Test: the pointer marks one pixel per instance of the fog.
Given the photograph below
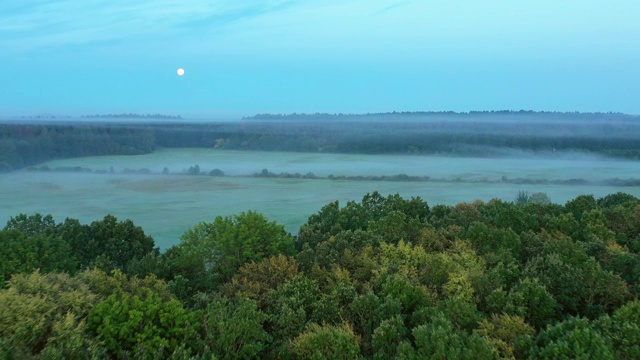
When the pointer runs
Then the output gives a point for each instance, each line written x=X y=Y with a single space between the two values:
x=166 y=205
x=514 y=164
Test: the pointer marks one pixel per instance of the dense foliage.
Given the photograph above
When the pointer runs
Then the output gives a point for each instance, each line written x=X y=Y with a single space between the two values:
x=383 y=278
x=474 y=133
x=23 y=144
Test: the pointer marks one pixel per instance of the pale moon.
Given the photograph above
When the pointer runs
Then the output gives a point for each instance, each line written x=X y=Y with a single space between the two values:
x=180 y=71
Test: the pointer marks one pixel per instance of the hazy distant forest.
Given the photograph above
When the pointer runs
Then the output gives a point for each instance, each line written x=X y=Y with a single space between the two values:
x=386 y=277
x=448 y=133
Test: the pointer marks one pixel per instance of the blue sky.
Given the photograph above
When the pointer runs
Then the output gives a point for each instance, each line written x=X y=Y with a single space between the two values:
x=244 y=57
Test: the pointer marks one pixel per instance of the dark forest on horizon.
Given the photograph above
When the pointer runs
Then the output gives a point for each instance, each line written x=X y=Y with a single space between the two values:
x=484 y=134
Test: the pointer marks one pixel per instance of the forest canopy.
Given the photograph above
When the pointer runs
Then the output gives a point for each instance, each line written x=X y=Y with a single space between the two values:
x=381 y=278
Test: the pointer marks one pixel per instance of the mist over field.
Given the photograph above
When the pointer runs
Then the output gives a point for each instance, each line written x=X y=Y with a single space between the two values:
x=289 y=166
x=166 y=205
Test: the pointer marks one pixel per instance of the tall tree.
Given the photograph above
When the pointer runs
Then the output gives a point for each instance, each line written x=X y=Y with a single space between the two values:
x=220 y=247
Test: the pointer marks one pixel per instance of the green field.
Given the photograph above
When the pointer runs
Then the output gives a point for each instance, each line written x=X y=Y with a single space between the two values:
x=166 y=205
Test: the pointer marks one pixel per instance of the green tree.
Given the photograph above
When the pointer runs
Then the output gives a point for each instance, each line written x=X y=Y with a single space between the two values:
x=440 y=340
x=290 y=307
x=138 y=317
x=354 y=216
x=618 y=199
x=539 y=198
x=112 y=244
x=510 y=335
x=219 y=248
x=522 y=198
x=388 y=336
x=32 y=225
x=326 y=342
x=234 y=329
x=24 y=253
x=77 y=235
x=362 y=314
x=118 y=283
x=38 y=312
x=622 y=330
x=254 y=279
x=581 y=204
x=531 y=300
x=142 y=324
x=573 y=338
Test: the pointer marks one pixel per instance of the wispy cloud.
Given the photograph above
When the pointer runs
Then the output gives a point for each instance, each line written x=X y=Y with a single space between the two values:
x=395 y=5
x=51 y=23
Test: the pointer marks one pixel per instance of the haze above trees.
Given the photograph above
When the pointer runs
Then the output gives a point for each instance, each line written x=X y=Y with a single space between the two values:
x=447 y=133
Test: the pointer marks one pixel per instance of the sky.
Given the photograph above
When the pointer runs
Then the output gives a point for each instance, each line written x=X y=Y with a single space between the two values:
x=78 y=57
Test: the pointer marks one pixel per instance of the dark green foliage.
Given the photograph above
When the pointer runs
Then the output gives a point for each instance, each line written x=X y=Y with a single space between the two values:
x=522 y=198
x=138 y=316
x=325 y=342
x=36 y=242
x=618 y=199
x=234 y=329
x=290 y=307
x=23 y=253
x=32 y=225
x=382 y=278
x=209 y=254
x=388 y=336
x=375 y=211
x=441 y=340
x=622 y=330
x=531 y=300
x=581 y=204
x=28 y=144
x=144 y=325
x=116 y=243
x=573 y=338
x=363 y=314
x=486 y=239
x=333 y=303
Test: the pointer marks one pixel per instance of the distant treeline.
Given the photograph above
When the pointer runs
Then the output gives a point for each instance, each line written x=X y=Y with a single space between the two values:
x=28 y=144
x=476 y=133
x=133 y=116
x=581 y=116
x=462 y=134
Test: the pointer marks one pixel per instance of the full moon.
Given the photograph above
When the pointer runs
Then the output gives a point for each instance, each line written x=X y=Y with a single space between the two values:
x=180 y=71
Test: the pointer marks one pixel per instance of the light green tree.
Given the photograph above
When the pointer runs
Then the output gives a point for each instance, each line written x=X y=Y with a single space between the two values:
x=220 y=247
x=326 y=342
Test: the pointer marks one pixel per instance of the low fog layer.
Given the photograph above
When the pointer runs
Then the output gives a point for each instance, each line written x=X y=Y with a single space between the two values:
x=151 y=198
x=189 y=172
x=487 y=134
x=559 y=166
x=168 y=205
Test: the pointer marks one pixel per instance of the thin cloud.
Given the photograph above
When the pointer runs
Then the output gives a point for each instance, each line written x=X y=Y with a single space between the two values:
x=54 y=23
x=395 y=6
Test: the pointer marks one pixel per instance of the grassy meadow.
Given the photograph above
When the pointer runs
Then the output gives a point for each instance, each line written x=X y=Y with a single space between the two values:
x=166 y=205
